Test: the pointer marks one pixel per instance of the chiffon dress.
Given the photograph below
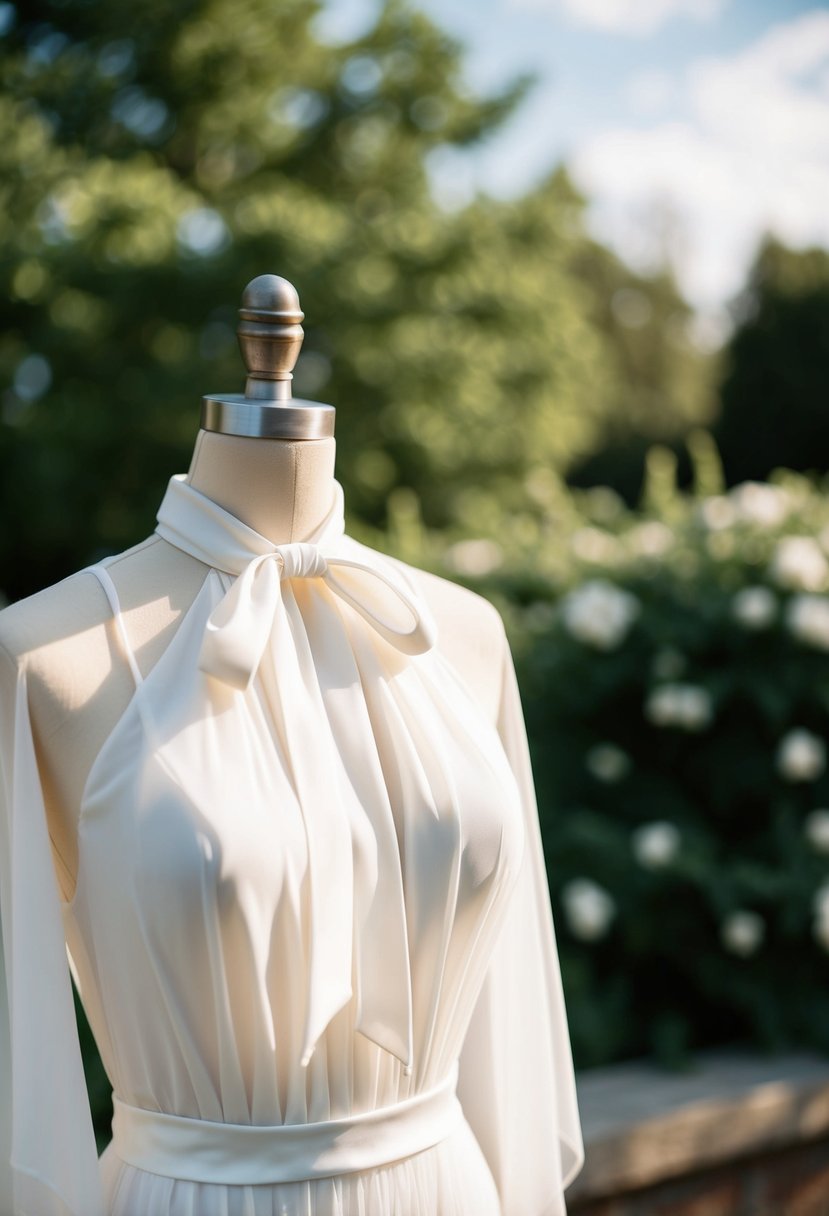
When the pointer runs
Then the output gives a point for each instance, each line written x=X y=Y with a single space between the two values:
x=311 y=931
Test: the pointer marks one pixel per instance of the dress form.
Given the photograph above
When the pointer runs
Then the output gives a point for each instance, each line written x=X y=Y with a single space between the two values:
x=79 y=678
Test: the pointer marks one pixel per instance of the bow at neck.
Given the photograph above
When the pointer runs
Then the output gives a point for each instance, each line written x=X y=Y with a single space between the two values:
x=239 y=628
x=249 y=621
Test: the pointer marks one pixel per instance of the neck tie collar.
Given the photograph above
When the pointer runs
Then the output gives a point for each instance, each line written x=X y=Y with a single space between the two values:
x=238 y=630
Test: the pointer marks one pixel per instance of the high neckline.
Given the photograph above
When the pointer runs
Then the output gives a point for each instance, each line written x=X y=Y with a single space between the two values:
x=196 y=524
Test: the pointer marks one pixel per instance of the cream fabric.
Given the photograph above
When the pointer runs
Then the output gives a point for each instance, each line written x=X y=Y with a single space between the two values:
x=293 y=1152
x=311 y=884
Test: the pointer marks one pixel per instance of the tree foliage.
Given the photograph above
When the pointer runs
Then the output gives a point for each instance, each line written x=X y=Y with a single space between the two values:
x=776 y=376
x=156 y=159
x=661 y=386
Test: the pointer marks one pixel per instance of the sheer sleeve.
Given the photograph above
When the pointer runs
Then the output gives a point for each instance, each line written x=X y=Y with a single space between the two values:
x=516 y=1081
x=49 y=1160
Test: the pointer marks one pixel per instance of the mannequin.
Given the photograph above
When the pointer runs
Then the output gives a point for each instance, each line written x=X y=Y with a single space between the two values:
x=304 y=899
x=79 y=678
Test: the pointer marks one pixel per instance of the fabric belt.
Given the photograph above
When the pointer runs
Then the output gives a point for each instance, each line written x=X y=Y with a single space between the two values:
x=202 y=1150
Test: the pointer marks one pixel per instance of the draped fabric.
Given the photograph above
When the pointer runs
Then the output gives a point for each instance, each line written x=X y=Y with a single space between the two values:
x=311 y=883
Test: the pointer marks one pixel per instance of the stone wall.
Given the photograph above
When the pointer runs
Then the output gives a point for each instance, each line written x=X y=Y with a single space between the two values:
x=737 y=1135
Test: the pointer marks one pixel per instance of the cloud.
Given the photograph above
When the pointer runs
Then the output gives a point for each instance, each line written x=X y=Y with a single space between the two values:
x=751 y=153
x=763 y=98
x=635 y=18
x=650 y=91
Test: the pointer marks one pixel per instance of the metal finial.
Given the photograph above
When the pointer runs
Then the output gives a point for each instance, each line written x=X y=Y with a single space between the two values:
x=270 y=337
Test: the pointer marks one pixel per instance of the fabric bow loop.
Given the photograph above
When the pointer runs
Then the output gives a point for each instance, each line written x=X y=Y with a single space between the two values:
x=238 y=629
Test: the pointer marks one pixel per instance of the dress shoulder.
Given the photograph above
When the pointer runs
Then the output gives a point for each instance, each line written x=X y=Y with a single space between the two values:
x=485 y=617
x=471 y=632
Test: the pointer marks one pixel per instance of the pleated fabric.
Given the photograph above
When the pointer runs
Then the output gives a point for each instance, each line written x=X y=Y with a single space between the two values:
x=311 y=879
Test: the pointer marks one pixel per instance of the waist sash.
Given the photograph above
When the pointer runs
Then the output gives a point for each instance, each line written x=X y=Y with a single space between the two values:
x=202 y=1150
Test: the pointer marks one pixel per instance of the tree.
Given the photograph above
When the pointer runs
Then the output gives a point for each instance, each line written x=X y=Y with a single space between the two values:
x=154 y=163
x=775 y=378
x=661 y=386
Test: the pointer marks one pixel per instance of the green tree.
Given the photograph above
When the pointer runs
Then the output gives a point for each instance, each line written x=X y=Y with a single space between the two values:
x=154 y=162
x=661 y=386
x=777 y=367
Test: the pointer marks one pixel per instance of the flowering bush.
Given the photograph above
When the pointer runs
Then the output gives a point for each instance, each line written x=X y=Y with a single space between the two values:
x=674 y=665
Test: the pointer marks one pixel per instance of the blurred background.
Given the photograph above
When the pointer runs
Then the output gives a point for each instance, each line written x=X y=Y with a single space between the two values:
x=565 y=271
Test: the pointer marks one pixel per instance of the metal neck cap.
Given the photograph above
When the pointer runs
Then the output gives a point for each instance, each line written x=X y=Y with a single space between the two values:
x=270 y=337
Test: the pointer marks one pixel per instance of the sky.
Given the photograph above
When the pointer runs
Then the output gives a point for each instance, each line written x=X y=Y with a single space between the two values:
x=692 y=126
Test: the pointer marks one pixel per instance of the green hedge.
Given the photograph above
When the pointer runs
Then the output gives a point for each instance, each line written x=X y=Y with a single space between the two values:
x=674 y=667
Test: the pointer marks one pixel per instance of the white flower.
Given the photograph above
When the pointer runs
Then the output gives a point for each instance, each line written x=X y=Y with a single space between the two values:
x=685 y=705
x=655 y=844
x=668 y=663
x=801 y=756
x=474 y=557
x=816 y=827
x=820 y=930
x=761 y=504
x=754 y=607
x=807 y=617
x=799 y=564
x=599 y=613
x=717 y=512
x=651 y=539
x=607 y=762
x=594 y=545
x=588 y=907
x=742 y=932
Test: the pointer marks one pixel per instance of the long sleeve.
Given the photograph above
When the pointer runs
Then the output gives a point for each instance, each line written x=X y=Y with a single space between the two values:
x=516 y=1081
x=48 y=1156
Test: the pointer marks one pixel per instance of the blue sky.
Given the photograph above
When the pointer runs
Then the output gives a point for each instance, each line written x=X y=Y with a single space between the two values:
x=691 y=125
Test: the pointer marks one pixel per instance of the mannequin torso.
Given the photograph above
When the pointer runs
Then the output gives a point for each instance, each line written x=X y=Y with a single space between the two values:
x=79 y=678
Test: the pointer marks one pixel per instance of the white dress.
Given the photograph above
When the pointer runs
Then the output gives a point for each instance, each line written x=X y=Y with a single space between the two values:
x=311 y=886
